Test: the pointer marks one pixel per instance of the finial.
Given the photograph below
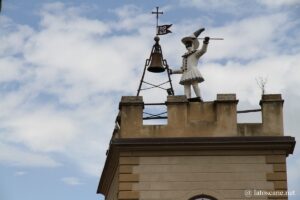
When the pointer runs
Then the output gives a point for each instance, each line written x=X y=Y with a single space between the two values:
x=157 y=15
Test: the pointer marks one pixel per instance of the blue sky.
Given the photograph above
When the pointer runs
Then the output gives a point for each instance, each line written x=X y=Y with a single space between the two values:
x=64 y=66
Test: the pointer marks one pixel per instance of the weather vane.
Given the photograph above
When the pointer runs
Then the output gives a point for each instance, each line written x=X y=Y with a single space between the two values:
x=163 y=29
x=157 y=15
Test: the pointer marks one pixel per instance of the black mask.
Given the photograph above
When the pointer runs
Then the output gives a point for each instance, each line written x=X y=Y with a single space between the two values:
x=188 y=44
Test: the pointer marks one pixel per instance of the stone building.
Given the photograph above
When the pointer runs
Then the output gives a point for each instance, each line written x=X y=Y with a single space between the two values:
x=201 y=153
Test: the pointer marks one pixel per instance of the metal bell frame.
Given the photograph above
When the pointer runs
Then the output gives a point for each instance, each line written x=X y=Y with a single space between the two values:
x=156 y=64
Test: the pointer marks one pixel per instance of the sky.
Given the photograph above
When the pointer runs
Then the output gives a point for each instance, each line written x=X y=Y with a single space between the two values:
x=64 y=66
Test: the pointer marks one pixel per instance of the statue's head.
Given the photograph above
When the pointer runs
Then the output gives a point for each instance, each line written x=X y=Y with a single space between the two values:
x=190 y=42
x=192 y=39
x=189 y=45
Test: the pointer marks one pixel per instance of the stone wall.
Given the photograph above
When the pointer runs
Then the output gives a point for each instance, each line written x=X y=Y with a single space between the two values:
x=181 y=177
x=201 y=119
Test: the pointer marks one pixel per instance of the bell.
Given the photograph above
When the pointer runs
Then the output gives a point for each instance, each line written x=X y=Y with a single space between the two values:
x=156 y=65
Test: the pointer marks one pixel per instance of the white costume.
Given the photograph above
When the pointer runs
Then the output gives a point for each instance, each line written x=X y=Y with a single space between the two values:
x=190 y=73
x=189 y=70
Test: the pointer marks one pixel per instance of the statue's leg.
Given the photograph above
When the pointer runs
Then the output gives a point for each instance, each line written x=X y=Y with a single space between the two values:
x=187 y=90
x=196 y=89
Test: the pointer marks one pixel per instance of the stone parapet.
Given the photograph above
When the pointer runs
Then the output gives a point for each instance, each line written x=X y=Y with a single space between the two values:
x=200 y=119
x=226 y=97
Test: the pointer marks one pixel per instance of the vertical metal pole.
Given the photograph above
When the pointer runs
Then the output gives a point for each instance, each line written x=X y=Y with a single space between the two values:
x=170 y=80
x=142 y=79
x=157 y=13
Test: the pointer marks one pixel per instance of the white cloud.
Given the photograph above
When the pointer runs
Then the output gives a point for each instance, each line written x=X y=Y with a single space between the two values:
x=240 y=78
x=10 y=69
x=12 y=38
x=210 y=3
x=275 y=3
x=20 y=173
x=81 y=60
x=238 y=7
x=72 y=181
x=233 y=7
x=128 y=21
x=243 y=41
x=15 y=156
x=43 y=130
x=127 y=11
x=57 y=17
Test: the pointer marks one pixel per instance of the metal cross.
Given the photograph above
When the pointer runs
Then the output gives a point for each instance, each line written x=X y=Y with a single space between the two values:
x=157 y=15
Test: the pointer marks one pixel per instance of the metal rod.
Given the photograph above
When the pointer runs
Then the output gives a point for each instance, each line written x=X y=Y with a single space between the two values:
x=211 y=38
x=154 y=114
x=170 y=80
x=141 y=81
x=155 y=85
x=154 y=104
x=248 y=111
x=163 y=83
x=149 y=118
x=147 y=88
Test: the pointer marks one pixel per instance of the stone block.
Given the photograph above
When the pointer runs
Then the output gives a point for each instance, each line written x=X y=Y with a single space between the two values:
x=126 y=169
x=226 y=115
x=131 y=115
x=226 y=97
x=128 y=177
x=177 y=111
x=280 y=185
x=129 y=160
x=272 y=114
x=125 y=186
x=128 y=195
x=279 y=167
x=176 y=99
x=132 y=101
x=277 y=176
x=271 y=97
x=201 y=112
x=270 y=159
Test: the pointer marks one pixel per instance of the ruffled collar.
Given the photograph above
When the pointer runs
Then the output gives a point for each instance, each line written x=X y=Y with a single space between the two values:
x=187 y=54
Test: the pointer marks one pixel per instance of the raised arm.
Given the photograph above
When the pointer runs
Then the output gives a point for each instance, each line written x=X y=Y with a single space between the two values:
x=203 y=50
